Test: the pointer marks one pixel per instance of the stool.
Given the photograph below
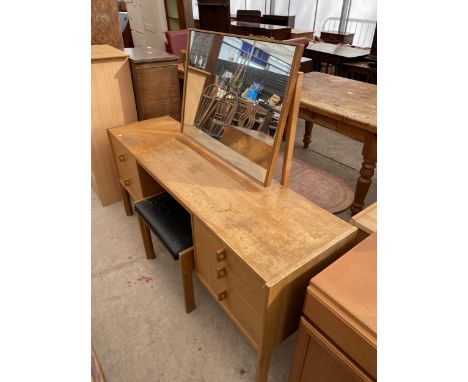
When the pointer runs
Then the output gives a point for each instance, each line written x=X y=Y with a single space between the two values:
x=170 y=222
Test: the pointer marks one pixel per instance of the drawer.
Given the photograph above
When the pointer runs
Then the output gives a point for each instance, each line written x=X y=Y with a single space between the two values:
x=318 y=359
x=127 y=169
x=237 y=287
x=341 y=332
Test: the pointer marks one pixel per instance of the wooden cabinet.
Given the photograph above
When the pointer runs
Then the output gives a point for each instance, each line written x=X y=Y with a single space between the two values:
x=279 y=20
x=337 y=37
x=337 y=338
x=214 y=15
x=155 y=83
x=112 y=104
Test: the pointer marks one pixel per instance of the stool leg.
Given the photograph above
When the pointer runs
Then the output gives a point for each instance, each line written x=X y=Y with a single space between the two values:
x=147 y=242
x=187 y=265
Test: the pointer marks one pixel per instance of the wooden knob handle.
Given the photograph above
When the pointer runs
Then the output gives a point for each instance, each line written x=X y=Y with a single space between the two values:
x=222 y=296
x=221 y=272
x=122 y=158
x=220 y=254
x=127 y=182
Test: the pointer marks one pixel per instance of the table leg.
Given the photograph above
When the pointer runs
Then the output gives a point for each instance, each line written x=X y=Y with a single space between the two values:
x=263 y=362
x=126 y=201
x=307 y=134
x=369 y=153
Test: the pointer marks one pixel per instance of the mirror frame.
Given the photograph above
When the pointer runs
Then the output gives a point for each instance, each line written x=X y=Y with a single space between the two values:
x=290 y=88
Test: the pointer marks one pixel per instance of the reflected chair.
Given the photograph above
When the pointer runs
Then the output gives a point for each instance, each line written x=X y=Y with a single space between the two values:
x=171 y=223
x=176 y=41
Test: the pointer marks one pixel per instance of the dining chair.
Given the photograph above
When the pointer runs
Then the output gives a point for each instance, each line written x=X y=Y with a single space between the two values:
x=177 y=41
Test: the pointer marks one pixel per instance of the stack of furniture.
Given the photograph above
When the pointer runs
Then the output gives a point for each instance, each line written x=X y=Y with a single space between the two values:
x=155 y=83
x=112 y=104
x=337 y=339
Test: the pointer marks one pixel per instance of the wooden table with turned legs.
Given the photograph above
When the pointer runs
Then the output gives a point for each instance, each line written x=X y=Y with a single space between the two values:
x=348 y=107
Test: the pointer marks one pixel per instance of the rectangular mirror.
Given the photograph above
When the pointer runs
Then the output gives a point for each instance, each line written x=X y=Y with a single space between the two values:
x=236 y=92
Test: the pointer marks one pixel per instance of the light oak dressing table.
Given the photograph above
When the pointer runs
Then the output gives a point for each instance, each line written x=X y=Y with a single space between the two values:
x=255 y=247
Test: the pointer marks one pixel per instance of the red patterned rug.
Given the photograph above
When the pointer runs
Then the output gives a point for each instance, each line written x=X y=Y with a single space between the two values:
x=324 y=189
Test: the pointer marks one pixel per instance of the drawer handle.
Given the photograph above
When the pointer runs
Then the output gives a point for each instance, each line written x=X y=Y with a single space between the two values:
x=222 y=296
x=220 y=254
x=127 y=182
x=221 y=272
x=122 y=158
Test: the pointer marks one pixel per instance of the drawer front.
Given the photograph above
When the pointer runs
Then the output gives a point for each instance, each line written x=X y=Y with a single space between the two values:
x=127 y=169
x=358 y=348
x=237 y=287
x=317 y=359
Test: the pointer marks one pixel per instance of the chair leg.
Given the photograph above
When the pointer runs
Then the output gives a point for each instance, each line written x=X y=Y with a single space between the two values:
x=147 y=242
x=187 y=265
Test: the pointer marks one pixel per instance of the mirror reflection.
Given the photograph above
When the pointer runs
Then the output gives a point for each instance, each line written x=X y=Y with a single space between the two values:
x=235 y=90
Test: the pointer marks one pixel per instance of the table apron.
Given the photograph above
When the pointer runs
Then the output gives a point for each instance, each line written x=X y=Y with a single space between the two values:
x=335 y=125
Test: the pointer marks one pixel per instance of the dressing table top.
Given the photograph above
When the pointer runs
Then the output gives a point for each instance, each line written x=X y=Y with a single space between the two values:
x=273 y=229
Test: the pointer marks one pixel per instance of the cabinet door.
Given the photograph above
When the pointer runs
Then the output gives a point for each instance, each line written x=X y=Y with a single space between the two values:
x=317 y=359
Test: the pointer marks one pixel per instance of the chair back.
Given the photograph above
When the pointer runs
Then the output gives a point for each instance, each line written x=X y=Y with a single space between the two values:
x=177 y=41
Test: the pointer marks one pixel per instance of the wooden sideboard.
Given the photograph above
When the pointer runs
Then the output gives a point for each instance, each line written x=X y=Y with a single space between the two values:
x=337 y=339
x=155 y=83
x=256 y=248
x=112 y=104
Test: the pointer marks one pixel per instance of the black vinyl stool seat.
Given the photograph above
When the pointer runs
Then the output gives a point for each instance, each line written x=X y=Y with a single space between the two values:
x=171 y=223
x=168 y=220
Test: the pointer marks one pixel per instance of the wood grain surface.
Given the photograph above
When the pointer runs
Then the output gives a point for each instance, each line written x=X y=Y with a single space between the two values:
x=251 y=219
x=105 y=27
x=337 y=50
x=366 y=220
x=351 y=102
x=342 y=302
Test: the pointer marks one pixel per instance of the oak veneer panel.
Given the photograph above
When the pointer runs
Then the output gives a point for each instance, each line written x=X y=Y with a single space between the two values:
x=355 y=102
x=342 y=302
x=112 y=104
x=366 y=220
x=318 y=360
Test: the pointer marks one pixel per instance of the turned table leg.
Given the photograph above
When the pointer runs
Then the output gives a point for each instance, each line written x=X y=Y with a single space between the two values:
x=307 y=134
x=263 y=362
x=369 y=153
x=126 y=201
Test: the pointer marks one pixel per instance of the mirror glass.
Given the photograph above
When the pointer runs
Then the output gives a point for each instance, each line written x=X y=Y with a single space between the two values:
x=235 y=92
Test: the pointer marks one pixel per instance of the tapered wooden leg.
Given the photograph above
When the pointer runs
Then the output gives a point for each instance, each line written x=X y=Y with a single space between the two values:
x=187 y=265
x=126 y=201
x=369 y=153
x=307 y=134
x=147 y=242
x=263 y=362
